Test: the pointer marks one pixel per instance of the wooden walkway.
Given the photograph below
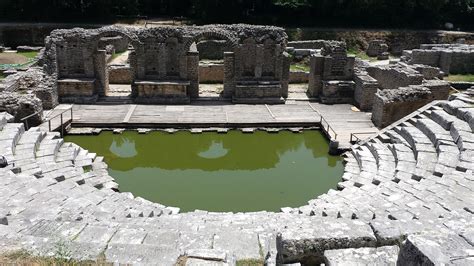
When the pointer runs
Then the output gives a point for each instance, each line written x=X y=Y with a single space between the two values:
x=341 y=118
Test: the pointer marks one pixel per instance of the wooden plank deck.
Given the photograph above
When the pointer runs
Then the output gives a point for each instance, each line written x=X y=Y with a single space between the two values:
x=340 y=117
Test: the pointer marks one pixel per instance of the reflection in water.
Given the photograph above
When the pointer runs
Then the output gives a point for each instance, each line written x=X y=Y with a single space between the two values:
x=219 y=172
x=216 y=150
x=123 y=148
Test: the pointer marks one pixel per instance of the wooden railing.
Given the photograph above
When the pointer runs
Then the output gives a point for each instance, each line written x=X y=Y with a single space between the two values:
x=24 y=120
x=63 y=124
x=355 y=136
x=326 y=128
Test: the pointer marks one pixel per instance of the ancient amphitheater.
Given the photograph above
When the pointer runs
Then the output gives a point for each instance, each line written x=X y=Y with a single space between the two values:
x=406 y=198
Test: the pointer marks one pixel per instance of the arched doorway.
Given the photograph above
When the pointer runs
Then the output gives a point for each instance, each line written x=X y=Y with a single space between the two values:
x=115 y=66
x=211 y=49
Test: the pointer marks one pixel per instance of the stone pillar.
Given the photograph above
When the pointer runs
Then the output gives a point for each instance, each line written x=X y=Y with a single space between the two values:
x=193 y=74
x=259 y=61
x=315 y=75
x=101 y=75
x=285 y=74
x=229 y=74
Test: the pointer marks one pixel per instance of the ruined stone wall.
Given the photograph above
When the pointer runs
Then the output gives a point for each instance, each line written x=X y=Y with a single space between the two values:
x=33 y=81
x=163 y=54
x=451 y=58
x=120 y=74
x=395 y=76
x=331 y=74
x=22 y=105
x=364 y=91
x=392 y=105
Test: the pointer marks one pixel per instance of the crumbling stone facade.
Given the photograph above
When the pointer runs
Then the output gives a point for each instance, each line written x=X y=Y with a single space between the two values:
x=165 y=67
x=332 y=71
x=394 y=76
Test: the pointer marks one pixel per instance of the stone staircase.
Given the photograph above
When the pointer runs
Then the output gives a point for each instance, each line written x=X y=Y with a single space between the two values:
x=406 y=196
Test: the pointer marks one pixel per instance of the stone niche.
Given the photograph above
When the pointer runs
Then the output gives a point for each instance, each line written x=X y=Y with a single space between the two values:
x=260 y=70
x=331 y=74
x=392 y=105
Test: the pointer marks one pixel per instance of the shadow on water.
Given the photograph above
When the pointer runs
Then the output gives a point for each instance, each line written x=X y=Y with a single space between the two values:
x=219 y=172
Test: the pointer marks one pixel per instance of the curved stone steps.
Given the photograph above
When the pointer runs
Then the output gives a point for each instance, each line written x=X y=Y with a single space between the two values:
x=25 y=151
x=9 y=137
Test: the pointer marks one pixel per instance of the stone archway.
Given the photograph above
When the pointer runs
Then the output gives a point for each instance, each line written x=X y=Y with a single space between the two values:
x=209 y=74
x=101 y=68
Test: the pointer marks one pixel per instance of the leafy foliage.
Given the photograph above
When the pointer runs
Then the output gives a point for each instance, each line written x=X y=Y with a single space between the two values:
x=347 y=13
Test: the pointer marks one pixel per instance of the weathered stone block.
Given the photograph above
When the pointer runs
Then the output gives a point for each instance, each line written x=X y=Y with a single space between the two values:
x=392 y=105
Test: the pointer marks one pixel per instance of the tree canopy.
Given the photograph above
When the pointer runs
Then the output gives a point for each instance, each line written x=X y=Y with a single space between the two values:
x=334 y=13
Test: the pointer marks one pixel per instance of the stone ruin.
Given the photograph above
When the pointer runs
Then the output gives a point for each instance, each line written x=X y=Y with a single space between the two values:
x=164 y=63
x=27 y=93
x=379 y=49
x=332 y=72
x=338 y=78
x=450 y=58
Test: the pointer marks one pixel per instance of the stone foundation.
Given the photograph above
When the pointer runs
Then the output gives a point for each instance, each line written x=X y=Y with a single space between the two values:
x=257 y=92
x=161 y=92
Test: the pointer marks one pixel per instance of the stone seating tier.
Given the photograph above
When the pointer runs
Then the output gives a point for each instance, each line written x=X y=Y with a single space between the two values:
x=405 y=197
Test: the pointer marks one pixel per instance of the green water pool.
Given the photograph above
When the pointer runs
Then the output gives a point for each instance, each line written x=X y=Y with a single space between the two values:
x=219 y=172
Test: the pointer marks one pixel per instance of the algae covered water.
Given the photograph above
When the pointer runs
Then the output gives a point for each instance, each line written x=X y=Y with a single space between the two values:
x=219 y=172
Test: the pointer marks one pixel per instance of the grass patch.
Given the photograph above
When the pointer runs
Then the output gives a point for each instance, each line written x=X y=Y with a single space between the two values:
x=250 y=262
x=115 y=55
x=466 y=77
x=361 y=54
x=23 y=257
x=2 y=76
x=299 y=67
x=29 y=55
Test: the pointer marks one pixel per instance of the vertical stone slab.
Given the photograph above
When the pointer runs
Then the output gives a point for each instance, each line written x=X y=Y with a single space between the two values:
x=315 y=75
x=101 y=75
x=193 y=74
x=229 y=74
x=285 y=74
x=445 y=61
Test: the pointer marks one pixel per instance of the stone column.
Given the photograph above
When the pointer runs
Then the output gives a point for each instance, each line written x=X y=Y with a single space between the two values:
x=101 y=75
x=285 y=74
x=259 y=61
x=193 y=74
x=315 y=75
x=229 y=74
